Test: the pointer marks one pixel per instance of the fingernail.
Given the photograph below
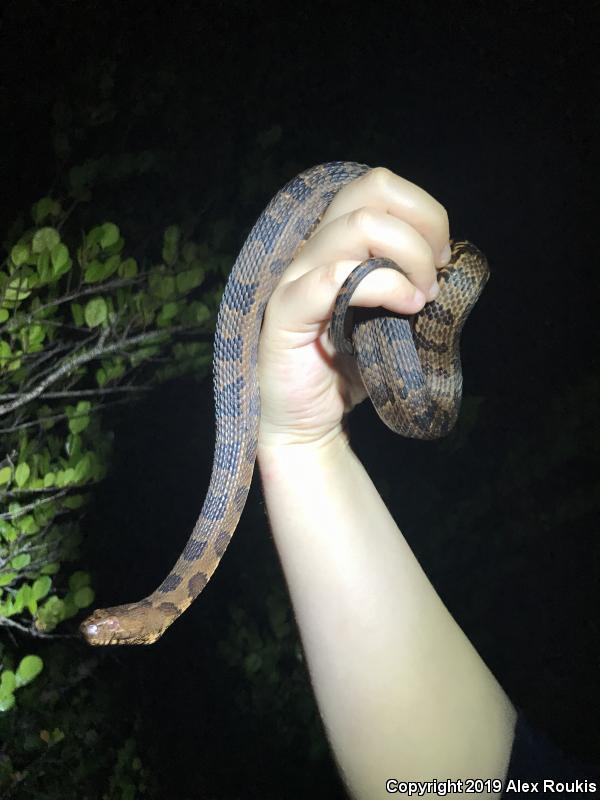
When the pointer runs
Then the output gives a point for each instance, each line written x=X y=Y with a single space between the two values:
x=434 y=291
x=445 y=255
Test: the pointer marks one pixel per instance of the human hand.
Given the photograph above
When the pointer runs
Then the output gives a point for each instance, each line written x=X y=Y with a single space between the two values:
x=305 y=386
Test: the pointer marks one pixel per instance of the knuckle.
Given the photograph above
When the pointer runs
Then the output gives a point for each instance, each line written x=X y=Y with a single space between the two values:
x=380 y=177
x=361 y=219
x=334 y=274
x=443 y=216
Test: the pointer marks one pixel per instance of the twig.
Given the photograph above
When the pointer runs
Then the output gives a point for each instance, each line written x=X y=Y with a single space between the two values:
x=93 y=289
x=35 y=504
x=58 y=417
x=97 y=351
x=33 y=631
x=83 y=393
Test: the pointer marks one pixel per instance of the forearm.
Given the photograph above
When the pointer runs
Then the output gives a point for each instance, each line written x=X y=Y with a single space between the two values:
x=401 y=690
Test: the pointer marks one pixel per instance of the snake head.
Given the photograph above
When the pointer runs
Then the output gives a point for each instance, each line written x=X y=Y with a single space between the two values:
x=134 y=623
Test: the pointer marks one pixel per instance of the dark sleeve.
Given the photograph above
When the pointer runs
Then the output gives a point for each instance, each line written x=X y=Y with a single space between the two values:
x=534 y=758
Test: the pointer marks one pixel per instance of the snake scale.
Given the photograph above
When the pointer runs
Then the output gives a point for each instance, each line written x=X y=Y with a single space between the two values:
x=410 y=367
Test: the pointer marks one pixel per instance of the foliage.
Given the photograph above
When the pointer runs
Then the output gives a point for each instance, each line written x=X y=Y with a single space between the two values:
x=96 y=325
x=82 y=328
x=62 y=727
x=275 y=685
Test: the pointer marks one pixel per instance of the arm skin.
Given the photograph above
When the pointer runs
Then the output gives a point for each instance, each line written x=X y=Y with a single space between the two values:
x=402 y=692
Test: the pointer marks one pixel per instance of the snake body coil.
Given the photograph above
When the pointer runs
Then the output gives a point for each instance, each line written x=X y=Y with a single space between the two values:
x=411 y=369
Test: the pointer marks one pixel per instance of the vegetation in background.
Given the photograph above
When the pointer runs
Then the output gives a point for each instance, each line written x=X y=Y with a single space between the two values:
x=83 y=328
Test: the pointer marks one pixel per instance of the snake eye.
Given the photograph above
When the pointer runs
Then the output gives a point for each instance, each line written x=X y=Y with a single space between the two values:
x=91 y=630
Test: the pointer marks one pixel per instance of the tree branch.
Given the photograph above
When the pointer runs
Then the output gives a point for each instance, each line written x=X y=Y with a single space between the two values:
x=97 y=351
x=10 y=324
x=83 y=393
x=31 y=630
x=31 y=506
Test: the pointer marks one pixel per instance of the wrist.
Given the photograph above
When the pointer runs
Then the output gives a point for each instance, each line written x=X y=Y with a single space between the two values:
x=287 y=451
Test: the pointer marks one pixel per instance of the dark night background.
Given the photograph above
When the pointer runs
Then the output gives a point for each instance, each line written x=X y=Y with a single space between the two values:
x=493 y=109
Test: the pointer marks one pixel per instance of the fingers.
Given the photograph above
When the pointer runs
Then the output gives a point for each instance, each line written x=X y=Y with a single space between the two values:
x=304 y=304
x=367 y=232
x=378 y=215
x=382 y=189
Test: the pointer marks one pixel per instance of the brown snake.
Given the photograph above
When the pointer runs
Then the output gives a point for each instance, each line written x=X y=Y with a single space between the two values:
x=410 y=367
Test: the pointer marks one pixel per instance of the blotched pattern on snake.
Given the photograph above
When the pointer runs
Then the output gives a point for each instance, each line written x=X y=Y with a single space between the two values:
x=410 y=367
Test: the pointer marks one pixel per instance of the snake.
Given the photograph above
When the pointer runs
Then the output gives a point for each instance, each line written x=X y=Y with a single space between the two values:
x=410 y=367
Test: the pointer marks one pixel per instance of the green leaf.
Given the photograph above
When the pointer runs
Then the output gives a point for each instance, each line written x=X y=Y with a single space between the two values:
x=171 y=244
x=114 y=369
x=93 y=237
x=143 y=353
x=172 y=235
x=7 y=608
x=162 y=286
x=5 y=353
x=35 y=335
x=189 y=279
x=83 y=468
x=27 y=525
x=49 y=480
x=77 y=312
x=78 y=424
x=110 y=235
x=73 y=443
x=29 y=668
x=65 y=476
x=74 y=501
x=128 y=268
x=50 y=614
x=94 y=272
x=96 y=312
x=45 y=239
x=7 y=577
x=83 y=597
x=111 y=265
x=202 y=313
x=41 y=587
x=60 y=256
x=22 y=473
x=8 y=681
x=16 y=291
x=50 y=569
x=7 y=531
x=4 y=315
x=42 y=209
x=22 y=597
x=7 y=701
x=167 y=312
x=21 y=561
x=5 y=475
x=19 y=254
x=189 y=252
x=78 y=580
